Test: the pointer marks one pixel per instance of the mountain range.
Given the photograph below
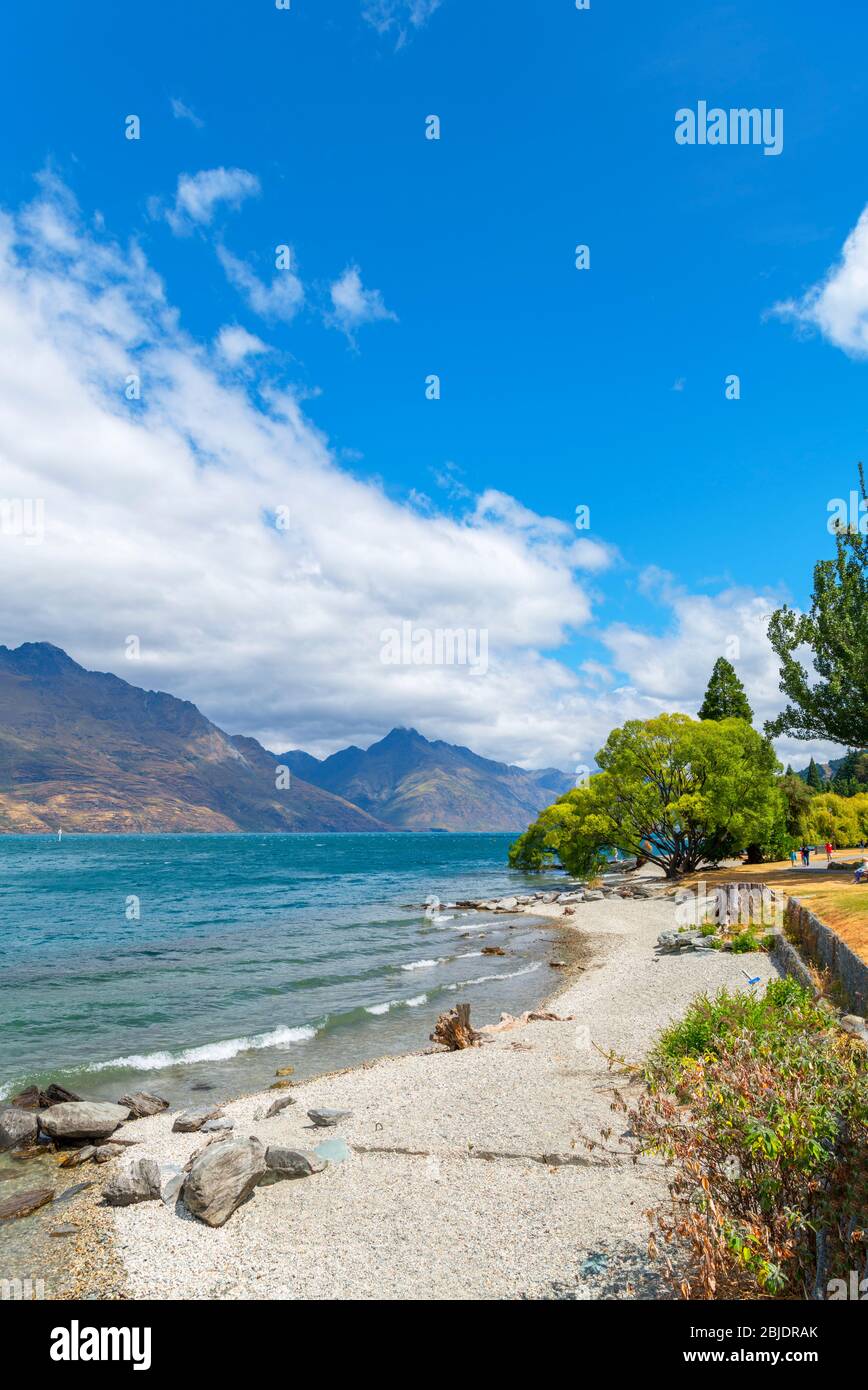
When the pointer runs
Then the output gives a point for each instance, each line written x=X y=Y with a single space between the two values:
x=86 y=751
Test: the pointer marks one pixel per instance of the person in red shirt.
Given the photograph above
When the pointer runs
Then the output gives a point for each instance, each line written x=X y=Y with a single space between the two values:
x=828 y=852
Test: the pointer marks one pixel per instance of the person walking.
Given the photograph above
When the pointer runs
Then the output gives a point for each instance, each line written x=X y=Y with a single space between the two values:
x=792 y=858
x=828 y=854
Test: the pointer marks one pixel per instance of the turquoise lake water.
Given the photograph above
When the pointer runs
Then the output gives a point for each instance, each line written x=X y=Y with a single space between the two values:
x=250 y=952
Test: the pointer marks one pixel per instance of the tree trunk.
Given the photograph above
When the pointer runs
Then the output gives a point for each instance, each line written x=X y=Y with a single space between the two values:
x=453 y=1029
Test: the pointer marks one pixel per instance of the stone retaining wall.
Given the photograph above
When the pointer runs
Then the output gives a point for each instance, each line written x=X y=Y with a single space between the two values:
x=826 y=949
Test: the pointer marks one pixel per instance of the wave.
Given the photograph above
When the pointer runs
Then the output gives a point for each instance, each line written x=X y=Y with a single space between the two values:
x=208 y=1052
x=397 y=1004
x=504 y=975
x=424 y=964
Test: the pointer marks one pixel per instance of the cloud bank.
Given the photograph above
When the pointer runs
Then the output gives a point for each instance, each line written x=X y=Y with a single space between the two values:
x=207 y=516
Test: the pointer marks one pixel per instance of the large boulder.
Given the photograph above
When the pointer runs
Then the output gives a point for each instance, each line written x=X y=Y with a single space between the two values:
x=222 y=1177
x=142 y=1103
x=18 y=1128
x=82 y=1119
x=141 y=1182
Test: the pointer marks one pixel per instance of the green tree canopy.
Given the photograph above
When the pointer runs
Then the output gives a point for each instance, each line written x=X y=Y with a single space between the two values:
x=814 y=778
x=679 y=791
x=725 y=697
x=832 y=701
x=851 y=774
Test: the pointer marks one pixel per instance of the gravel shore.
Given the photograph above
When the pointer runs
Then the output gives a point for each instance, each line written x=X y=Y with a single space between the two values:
x=467 y=1175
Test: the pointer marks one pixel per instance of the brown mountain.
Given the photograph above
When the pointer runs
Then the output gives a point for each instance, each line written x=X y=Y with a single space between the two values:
x=83 y=750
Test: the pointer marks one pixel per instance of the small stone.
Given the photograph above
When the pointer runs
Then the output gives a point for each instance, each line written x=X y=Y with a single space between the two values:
x=73 y=1191
x=284 y=1071
x=217 y=1126
x=138 y=1183
x=64 y=1230
x=25 y=1203
x=290 y=1163
x=142 y=1103
x=279 y=1085
x=172 y=1178
x=558 y=964
x=106 y=1152
x=326 y=1118
x=280 y=1104
x=593 y=895
x=77 y=1156
x=190 y=1120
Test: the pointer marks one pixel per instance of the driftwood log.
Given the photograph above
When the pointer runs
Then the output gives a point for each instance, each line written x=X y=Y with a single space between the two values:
x=453 y=1029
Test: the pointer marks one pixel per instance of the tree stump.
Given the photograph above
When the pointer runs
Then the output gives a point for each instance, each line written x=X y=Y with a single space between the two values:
x=453 y=1029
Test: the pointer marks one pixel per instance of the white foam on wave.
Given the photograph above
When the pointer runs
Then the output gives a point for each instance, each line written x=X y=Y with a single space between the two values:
x=424 y=964
x=396 y=1004
x=506 y=975
x=208 y=1052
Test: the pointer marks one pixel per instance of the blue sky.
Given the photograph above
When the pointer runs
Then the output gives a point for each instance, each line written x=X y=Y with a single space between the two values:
x=559 y=387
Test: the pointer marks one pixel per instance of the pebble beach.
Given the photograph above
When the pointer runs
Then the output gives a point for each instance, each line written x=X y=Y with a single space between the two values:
x=465 y=1173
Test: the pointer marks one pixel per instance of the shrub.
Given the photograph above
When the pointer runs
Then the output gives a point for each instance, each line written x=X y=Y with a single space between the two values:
x=761 y=1106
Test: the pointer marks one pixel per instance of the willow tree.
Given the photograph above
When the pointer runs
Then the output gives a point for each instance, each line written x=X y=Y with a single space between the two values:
x=679 y=791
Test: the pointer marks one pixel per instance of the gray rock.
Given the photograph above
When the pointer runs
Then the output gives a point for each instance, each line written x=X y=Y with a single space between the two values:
x=218 y=1126
x=142 y=1103
x=190 y=1120
x=17 y=1127
x=138 y=1183
x=82 y=1119
x=593 y=895
x=25 y=1203
x=644 y=890
x=222 y=1178
x=79 y=1156
x=277 y=1105
x=326 y=1118
x=290 y=1163
x=172 y=1177
x=508 y=904
x=73 y=1191
x=107 y=1151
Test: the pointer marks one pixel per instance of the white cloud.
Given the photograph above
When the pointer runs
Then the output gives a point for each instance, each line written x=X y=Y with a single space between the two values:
x=181 y=112
x=159 y=523
x=281 y=299
x=235 y=343
x=394 y=16
x=838 y=304
x=198 y=196
x=353 y=305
